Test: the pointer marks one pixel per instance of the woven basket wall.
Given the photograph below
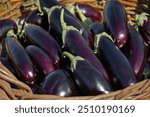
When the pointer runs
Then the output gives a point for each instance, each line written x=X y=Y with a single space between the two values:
x=11 y=9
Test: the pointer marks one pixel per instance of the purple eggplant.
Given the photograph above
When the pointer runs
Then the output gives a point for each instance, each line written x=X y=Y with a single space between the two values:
x=41 y=60
x=115 y=20
x=5 y=26
x=20 y=59
x=88 y=79
x=146 y=72
x=38 y=36
x=137 y=51
x=97 y=28
x=36 y=18
x=121 y=73
x=74 y=43
x=90 y=12
x=59 y=83
x=56 y=26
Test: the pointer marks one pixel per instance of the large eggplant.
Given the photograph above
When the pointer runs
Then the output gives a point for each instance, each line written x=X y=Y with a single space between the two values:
x=41 y=60
x=5 y=26
x=97 y=28
x=90 y=12
x=20 y=59
x=115 y=21
x=137 y=51
x=88 y=79
x=36 y=18
x=121 y=73
x=59 y=83
x=74 y=43
x=56 y=26
x=38 y=36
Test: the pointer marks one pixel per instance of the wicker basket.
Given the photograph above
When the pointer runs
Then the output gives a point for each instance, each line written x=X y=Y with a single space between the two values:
x=140 y=90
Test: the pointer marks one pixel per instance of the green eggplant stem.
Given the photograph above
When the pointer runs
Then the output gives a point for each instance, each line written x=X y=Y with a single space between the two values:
x=63 y=24
x=11 y=33
x=69 y=55
x=39 y=6
x=140 y=18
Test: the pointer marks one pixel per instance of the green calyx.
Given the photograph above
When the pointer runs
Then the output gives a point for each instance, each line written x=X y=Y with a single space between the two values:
x=140 y=18
x=11 y=33
x=65 y=27
x=87 y=22
x=98 y=37
x=73 y=60
x=71 y=7
x=39 y=7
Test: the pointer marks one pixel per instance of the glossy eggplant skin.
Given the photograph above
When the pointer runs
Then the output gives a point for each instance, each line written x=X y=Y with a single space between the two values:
x=88 y=79
x=35 y=18
x=40 y=59
x=5 y=26
x=56 y=27
x=59 y=83
x=74 y=43
x=121 y=73
x=115 y=21
x=97 y=28
x=38 y=36
x=137 y=51
x=90 y=12
x=20 y=60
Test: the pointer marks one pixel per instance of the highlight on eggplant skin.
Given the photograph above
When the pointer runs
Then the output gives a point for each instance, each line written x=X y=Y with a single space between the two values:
x=5 y=26
x=40 y=37
x=115 y=21
x=137 y=51
x=121 y=73
x=88 y=79
x=74 y=43
x=90 y=12
x=40 y=59
x=59 y=83
x=20 y=60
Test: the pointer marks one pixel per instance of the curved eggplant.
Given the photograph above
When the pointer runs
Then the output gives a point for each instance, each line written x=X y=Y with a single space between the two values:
x=118 y=66
x=74 y=43
x=35 y=18
x=115 y=21
x=59 y=83
x=40 y=59
x=5 y=26
x=38 y=36
x=137 y=51
x=88 y=79
x=90 y=12
x=20 y=60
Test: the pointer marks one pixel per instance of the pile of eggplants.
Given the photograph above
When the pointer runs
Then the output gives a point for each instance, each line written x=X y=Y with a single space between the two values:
x=56 y=53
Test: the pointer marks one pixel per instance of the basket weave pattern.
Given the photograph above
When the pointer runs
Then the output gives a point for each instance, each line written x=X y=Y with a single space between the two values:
x=140 y=90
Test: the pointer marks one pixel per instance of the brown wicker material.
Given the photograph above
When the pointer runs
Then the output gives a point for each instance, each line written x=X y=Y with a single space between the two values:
x=140 y=91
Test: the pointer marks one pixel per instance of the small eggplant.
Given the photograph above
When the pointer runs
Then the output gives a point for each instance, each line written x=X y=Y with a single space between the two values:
x=41 y=60
x=97 y=28
x=90 y=12
x=36 y=18
x=20 y=59
x=121 y=73
x=115 y=21
x=59 y=83
x=5 y=26
x=56 y=25
x=38 y=36
x=74 y=43
x=137 y=51
x=88 y=79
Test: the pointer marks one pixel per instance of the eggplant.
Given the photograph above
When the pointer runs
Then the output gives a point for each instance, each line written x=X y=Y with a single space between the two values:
x=36 y=18
x=5 y=26
x=40 y=59
x=90 y=12
x=137 y=51
x=121 y=73
x=38 y=36
x=59 y=83
x=115 y=20
x=97 y=28
x=74 y=43
x=146 y=72
x=20 y=59
x=88 y=79
x=56 y=26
